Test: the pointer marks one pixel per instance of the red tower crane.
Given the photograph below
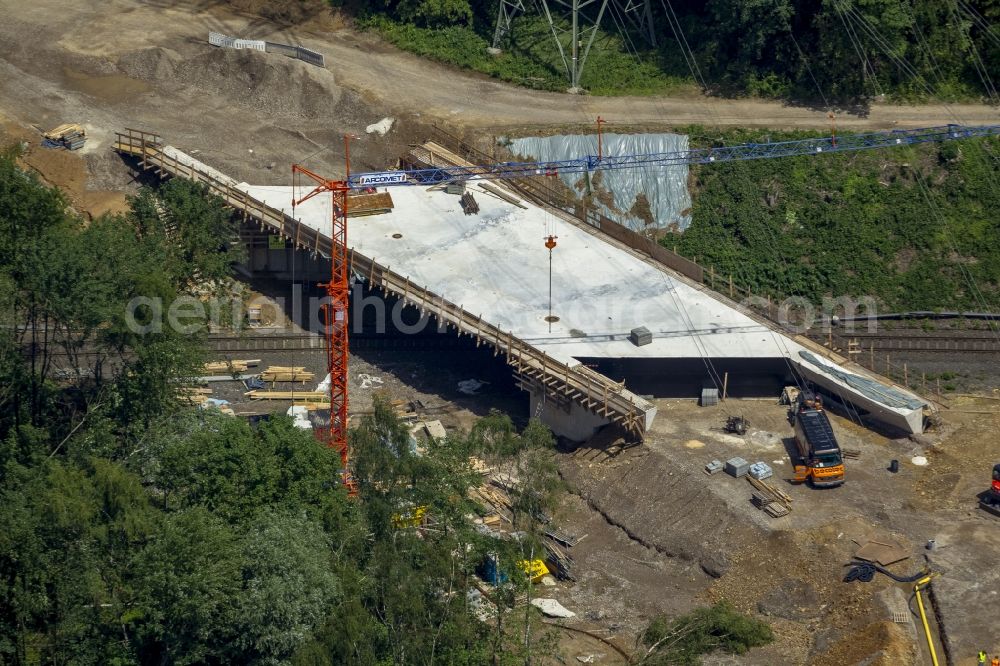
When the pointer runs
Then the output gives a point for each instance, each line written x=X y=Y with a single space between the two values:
x=335 y=312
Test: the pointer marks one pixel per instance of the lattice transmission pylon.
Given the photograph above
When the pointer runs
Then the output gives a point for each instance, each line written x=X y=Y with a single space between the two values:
x=574 y=24
x=335 y=311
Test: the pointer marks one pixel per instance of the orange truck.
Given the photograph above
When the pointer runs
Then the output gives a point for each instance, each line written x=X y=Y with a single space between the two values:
x=819 y=458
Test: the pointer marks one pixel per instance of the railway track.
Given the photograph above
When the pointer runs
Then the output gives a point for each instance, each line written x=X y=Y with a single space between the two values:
x=309 y=342
x=912 y=342
x=918 y=342
x=226 y=345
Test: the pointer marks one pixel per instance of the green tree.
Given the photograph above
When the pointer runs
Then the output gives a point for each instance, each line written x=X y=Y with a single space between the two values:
x=197 y=232
x=232 y=469
x=289 y=585
x=188 y=585
x=684 y=640
x=436 y=13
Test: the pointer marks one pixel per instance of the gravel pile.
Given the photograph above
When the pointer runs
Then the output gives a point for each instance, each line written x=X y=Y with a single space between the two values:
x=250 y=79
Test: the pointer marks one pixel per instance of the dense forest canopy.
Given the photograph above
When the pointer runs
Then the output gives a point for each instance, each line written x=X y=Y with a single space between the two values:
x=914 y=228
x=136 y=530
x=824 y=51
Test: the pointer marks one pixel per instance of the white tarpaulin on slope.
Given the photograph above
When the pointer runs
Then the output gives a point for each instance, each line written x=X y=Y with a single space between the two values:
x=665 y=188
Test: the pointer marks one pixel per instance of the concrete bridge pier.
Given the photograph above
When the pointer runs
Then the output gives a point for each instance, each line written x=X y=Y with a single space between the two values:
x=564 y=417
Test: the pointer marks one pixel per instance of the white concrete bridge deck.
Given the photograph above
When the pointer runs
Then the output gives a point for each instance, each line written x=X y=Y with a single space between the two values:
x=495 y=264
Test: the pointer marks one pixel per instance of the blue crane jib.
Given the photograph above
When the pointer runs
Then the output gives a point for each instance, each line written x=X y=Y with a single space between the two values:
x=749 y=151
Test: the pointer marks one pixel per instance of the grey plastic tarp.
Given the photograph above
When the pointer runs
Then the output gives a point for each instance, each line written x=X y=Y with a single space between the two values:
x=664 y=187
x=886 y=395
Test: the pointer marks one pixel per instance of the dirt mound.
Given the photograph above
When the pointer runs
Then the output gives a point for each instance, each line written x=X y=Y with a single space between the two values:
x=68 y=171
x=663 y=508
x=878 y=644
x=152 y=64
x=251 y=79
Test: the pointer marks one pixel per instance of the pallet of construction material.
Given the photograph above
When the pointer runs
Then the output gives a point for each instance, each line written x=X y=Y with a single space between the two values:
x=563 y=538
x=469 y=204
x=854 y=454
x=760 y=499
x=713 y=467
x=68 y=131
x=304 y=396
x=771 y=500
x=374 y=203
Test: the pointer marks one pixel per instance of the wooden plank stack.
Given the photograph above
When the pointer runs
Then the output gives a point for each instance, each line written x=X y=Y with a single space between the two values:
x=374 y=203
x=770 y=499
x=494 y=498
x=560 y=561
x=227 y=367
x=71 y=136
x=193 y=395
x=281 y=373
x=295 y=396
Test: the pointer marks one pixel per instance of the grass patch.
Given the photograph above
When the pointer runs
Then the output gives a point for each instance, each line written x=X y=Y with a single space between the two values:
x=531 y=59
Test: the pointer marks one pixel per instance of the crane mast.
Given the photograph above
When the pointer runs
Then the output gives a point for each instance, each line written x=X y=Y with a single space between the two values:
x=336 y=309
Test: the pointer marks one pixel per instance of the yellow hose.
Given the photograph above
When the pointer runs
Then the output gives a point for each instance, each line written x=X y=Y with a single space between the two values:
x=924 y=582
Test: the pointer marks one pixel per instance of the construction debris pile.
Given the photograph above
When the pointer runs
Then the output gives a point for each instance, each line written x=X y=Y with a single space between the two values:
x=69 y=136
x=493 y=494
x=768 y=498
